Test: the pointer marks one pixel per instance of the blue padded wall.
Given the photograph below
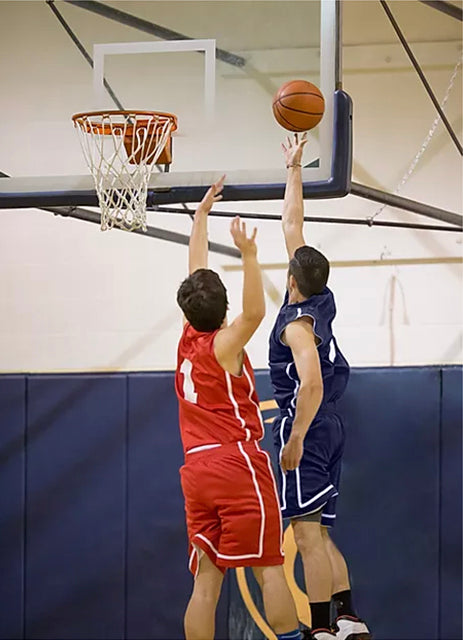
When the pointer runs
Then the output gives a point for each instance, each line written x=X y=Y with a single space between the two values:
x=157 y=581
x=388 y=510
x=75 y=507
x=92 y=536
x=12 y=468
x=450 y=619
x=388 y=517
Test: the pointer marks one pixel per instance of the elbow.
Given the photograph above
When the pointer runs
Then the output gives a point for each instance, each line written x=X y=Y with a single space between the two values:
x=292 y=226
x=255 y=316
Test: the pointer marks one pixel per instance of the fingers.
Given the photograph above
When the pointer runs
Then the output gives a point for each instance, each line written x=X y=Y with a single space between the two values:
x=243 y=230
x=302 y=141
x=291 y=144
x=214 y=190
x=287 y=464
x=235 y=231
x=290 y=459
x=212 y=195
x=218 y=186
x=209 y=193
x=239 y=232
x=238 y=225
x=284 y=461
x=234 y=226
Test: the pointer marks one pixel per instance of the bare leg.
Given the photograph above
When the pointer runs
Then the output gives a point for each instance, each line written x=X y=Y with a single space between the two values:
x=200 y=613
x=317 y=567
x=338 y=564
x=279 y=606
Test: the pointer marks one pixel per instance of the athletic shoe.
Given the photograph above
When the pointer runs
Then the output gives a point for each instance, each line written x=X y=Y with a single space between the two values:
x=323 y=634
x=350 y=628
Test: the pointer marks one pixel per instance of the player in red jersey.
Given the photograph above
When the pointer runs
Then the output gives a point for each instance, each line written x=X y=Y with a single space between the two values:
x=232 y=508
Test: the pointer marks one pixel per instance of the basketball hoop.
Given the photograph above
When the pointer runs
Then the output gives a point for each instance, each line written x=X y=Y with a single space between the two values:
x=121 y=149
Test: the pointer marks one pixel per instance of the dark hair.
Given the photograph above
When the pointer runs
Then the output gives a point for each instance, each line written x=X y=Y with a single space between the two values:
x=203 y=299
x=310 y=269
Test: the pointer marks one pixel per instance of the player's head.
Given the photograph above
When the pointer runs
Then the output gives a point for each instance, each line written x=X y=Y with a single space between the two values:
x=203 y=299
x=310 y=270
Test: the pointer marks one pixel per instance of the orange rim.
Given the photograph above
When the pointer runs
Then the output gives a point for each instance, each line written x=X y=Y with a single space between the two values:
x=84 y=121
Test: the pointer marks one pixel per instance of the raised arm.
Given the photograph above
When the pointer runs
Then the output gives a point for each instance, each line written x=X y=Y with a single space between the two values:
x=299 y=336
x=293 y=205
x=198 y=246
x=230 y=341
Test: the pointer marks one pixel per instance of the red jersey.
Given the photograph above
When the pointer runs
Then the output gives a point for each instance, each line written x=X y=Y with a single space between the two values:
x=215 y=407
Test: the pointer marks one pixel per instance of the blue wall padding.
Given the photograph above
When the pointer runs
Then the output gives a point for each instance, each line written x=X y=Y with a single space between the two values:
x=388 y=509
x=451 y=506
x=158 y=583
x=388 y=520
x=12 y=433
x=90 y=493
x=76 y=504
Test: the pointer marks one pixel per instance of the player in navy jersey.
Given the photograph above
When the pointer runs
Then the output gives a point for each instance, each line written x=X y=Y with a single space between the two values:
x=309 y=374
x=231 y=501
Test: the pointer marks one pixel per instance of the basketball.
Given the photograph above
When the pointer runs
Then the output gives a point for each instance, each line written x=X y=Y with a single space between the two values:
x=298 y=105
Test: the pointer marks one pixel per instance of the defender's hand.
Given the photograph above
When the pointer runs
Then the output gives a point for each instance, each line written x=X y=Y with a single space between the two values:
x=246 y=245
x=212 y=196
x=292 y=454
x=293 y=149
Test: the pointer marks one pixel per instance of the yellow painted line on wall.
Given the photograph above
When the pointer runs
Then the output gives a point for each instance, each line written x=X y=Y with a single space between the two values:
x=274 y=266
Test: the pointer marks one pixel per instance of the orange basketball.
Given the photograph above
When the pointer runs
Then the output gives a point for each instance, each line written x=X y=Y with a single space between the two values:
x=298 y=105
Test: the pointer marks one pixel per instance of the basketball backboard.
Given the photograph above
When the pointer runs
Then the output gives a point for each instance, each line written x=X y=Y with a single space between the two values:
x=215 y=64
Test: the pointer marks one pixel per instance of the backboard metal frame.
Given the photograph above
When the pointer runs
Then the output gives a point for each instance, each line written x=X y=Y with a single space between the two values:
x=207 y=46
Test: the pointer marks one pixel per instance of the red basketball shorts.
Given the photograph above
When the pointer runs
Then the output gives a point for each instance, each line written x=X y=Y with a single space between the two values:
x=232 y=509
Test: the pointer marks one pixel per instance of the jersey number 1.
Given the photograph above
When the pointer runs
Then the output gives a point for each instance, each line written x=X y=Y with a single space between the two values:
x=189 y=392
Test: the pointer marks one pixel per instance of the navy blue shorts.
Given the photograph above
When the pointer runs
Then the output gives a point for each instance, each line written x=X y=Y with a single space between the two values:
x=315 y=484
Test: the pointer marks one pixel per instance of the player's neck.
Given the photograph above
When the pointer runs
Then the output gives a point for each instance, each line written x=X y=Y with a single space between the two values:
x=295 y=296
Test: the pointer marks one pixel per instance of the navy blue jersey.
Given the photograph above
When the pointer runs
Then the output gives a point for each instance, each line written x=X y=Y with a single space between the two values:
x=334 y=367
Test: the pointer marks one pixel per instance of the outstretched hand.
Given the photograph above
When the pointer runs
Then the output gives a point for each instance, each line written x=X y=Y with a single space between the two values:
x=293 y=149
x=246 y=245
x=212 y=196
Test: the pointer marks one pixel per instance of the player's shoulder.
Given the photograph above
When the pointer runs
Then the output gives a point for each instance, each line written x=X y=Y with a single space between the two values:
x=194 y=341
x=298 y=329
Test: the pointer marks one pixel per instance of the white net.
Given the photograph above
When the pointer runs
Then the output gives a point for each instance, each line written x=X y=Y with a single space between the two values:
x=121 y=149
